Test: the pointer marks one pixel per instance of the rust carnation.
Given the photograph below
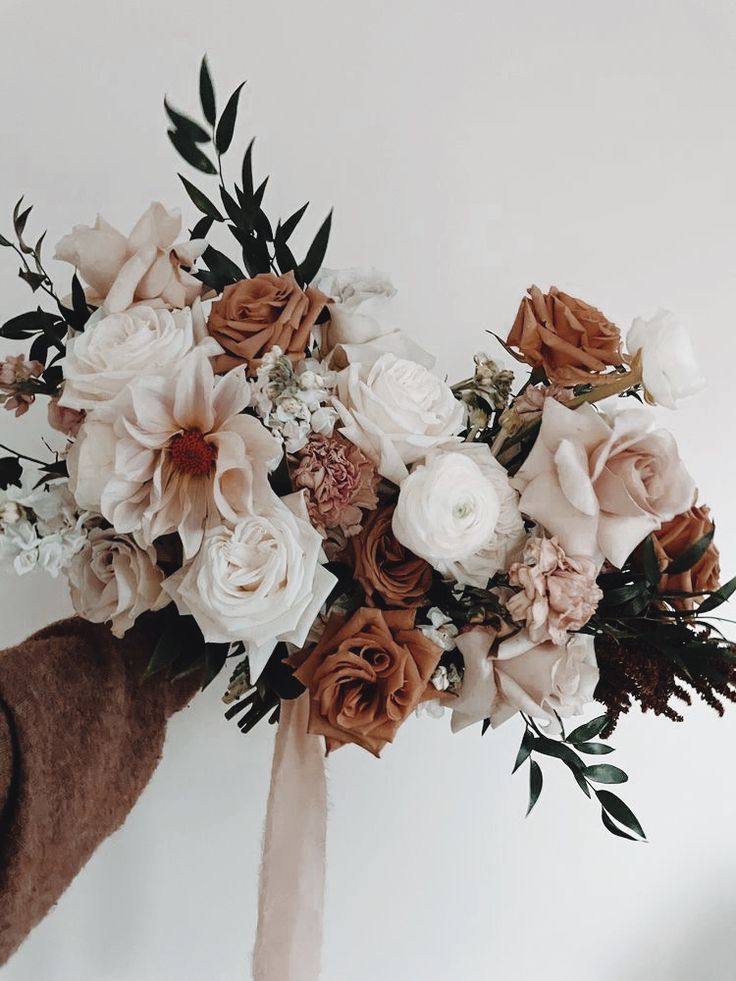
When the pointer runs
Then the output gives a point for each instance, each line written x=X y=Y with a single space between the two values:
x=366 y=676
x=340 y=481
x=258 y=314
x=671 y=541
x=571 y=340
x=388 y=572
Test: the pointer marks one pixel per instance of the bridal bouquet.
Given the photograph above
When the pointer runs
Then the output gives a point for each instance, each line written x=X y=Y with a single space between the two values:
x=252 y=452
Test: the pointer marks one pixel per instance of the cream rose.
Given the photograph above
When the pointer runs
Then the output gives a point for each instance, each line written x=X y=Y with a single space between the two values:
x=544 y=680
x=395 y=412
x=669 y=368
x=146 y=267
x=361 y=326
x=259 y=582
x=600 y=484
x=113 y=581
x=459 y=513
x=119 y=347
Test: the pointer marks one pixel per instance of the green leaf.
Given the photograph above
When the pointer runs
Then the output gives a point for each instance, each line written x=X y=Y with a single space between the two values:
x=535 y=785
x=624 y=594
x=234 y=212
x=580 y=780
x=248 y=172
x=226 y=125
x=651 y=566
x=610 y=826
x=11 y=472
x=221 y=271
x=287 y=228
x=5 y=243
x=35 y=280
x=594 y=749
x=550 y=747
x=605 y=773
x=524 y=750
x=691 y=555
x=215 y=656
x=200 y=200
x=207 y=93
x=186 y=126
x=201 y=229
x=589 y=730
x=717 y=597
x=620 y=811
x=19 y=222
x=26 y=324
x=284 y=255
x=167 y=650
x=191 y=152
x=312 y=263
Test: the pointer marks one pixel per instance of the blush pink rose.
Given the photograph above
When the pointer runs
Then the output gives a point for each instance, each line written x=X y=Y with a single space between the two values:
x=600 y=484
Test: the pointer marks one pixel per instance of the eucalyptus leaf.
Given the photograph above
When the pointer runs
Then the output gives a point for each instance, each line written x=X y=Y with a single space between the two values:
x=614 y=829
x=191 y=130
x=691 y=555
x=312 y=262
x=594 y=749
x=620 y=811
x=605 y=773
x=226 y=125
x=207 y=93
x=589 y=730
x=550 y=747
x=535 y=784
x=525 y=749
x=191 y=153
x=200 y=200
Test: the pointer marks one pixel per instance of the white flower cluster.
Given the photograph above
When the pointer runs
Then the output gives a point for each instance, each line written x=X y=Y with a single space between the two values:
x=40 y=528
x=291 y=401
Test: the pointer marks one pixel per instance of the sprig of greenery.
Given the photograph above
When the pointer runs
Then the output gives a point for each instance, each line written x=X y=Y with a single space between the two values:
x=615 y=814
x=263 y=248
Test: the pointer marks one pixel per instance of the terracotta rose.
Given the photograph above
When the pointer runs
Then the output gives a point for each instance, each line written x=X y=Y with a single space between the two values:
x=366 y=676
x=388 y=572
x=571 y=340
x=258 y=314
x=672 y=539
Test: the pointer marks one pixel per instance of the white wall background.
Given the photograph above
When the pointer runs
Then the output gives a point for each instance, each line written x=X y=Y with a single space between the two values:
x=470 y=148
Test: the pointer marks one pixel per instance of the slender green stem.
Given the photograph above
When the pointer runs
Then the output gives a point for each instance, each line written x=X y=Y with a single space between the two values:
x=22 y=456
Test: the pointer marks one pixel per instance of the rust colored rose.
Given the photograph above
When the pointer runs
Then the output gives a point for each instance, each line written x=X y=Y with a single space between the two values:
x=571 y=340
x=671 y=541
x=366 y=676
x=389 y=573
x=258 y=314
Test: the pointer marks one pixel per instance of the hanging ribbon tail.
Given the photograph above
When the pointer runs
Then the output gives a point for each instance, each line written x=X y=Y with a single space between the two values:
x=292 y=886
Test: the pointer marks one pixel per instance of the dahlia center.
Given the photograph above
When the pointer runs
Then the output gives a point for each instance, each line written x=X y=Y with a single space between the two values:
x=192 y=454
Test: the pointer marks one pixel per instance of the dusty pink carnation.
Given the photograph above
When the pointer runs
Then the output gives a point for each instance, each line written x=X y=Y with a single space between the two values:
x=65 y=420
x=339 y=479
x=15 y=373
x=558 y=593
x=532 y=399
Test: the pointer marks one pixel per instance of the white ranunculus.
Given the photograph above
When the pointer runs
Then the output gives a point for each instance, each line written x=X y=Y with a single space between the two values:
x=669 y=366
x=395 y=411
x=544 y=680
x=459 y=513
x=259 y=582
x=361 y=326
x=113 y=581
x=119 y=347
x=148 y=266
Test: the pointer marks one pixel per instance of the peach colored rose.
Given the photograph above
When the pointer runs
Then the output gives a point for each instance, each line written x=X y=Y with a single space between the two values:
x=258 y=314
x=339 y=480
x=65 y=420
x=571 y=340
x=366 y=676
x=672 y=539
x=387 y=571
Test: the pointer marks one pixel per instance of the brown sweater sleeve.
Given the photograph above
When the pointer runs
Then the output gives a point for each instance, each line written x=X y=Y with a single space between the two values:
x=80 y=736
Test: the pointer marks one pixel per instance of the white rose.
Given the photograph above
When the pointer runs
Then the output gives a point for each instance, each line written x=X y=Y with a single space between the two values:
x=545 y=680
x=395 y=412
x=669 y=367
x=259 y=582
x=113 y=581
x=361 y=327
x=115 y=349
x=146 y=267
x=459 y=512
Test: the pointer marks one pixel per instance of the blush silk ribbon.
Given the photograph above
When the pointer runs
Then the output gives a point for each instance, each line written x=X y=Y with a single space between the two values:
x=292 y=882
